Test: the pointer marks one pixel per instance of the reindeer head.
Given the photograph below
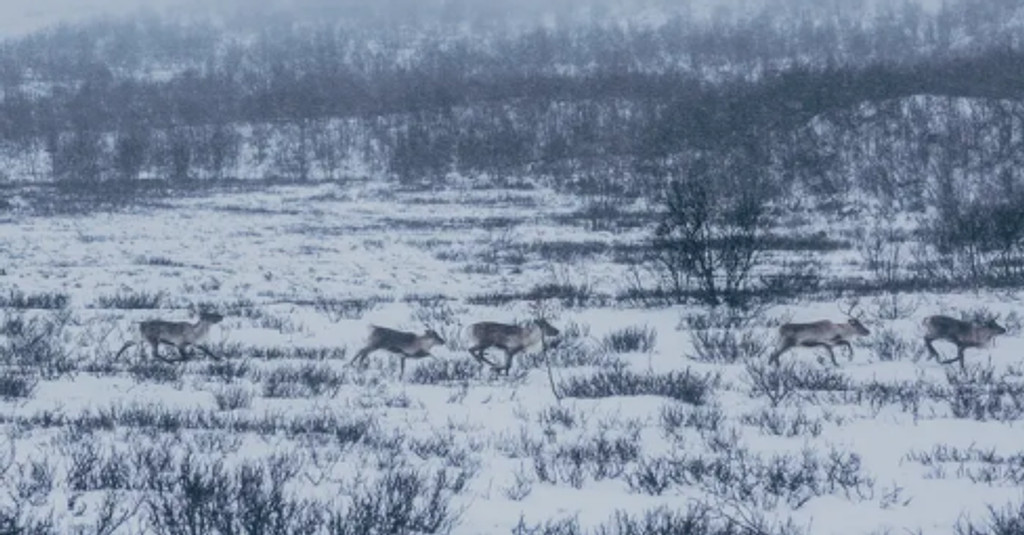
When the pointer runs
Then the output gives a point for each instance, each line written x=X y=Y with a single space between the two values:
x=548 y=331
x=854 y=317
x=858 y=326
x=432 y=335
x=546 y=328
x=995 y=327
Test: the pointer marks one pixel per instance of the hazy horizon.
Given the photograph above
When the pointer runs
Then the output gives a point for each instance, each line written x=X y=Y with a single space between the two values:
x=22 y=17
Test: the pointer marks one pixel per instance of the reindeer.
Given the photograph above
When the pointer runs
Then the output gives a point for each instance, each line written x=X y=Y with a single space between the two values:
x=511 y=338
x=821 y=333
x=963 y=334
x=180 y=334
x=407 y=345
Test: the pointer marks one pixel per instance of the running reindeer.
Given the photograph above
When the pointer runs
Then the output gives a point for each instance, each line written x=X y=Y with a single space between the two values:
x=962 y=334
x=511 y=338
x=406 y=345
x=179 y=334
x=821 y=333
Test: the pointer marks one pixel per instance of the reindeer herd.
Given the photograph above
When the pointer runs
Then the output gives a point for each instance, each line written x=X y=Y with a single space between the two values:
x=513 y=339
x=483 y=335
x=962 y=334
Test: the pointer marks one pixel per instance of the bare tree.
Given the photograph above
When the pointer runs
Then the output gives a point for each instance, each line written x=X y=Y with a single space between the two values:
x=714 y=215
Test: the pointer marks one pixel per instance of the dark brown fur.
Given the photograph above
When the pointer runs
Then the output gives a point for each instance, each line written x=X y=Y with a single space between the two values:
x=179 y=334
x=405 y=344
x=962 y=334
x=819 y=333
x=511 y=338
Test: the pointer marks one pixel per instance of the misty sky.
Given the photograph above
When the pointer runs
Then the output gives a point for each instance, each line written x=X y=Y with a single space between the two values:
x=18 y=17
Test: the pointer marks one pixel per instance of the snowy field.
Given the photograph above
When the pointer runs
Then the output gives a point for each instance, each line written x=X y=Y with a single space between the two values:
x=661 y=413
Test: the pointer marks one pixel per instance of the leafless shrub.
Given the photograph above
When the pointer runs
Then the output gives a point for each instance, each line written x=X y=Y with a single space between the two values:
x=590 y=459
x=883 y=251
x=708 y=240
x=631 y=339
x=894 y=306
x=792 y=279
x=402 y=500
x=41 y=300
x=889 y=345
x=777 y=383
x=305 y=380
x=738 y=475
x=727 y=346
x=132 y=300
x=233 y=397
x=1006 y=521
x=907 y=395
x=980 y=394
x=675 y=417
x=33 y=343
x=339 y=309
x=444 y=371
x=780 y=423
x=198 y=497
x=686 y=386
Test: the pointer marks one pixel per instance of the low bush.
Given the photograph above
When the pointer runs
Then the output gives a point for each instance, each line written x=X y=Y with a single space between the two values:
x=780 y=423
x=682 y=386
x=302 y=381
x=727 y=346
x=1006 y=521
x=590 y=459
x=674 y=417
x=339 y=309
x=980 y=395
x=34 y=341
x=198 y=497
x=740 y=476
x=401 y=501
x=888 y=345
x=131 y=300
x=434 y=371
x=631 y=339
x=41 y=300
x=17 y=386
x=233 y=397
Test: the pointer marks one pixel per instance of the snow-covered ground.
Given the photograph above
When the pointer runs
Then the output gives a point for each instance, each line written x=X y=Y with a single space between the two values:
x=887 y=443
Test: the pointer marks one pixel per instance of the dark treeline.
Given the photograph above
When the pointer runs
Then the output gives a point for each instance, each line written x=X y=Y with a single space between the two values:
x=148 y=97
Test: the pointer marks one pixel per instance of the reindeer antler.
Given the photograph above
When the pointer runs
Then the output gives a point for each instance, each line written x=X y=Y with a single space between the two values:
x=851 y=310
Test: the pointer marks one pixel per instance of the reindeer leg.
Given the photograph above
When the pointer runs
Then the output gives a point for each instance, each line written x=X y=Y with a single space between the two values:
x=831 y=354
x=478 y=353
x=167 y=360
x=508 y=360
x=360 y=356
x=123 y=348
x=849 y=349
x=401 y=367
x=181 y=352
x=932 y=353
x=207 y=352
x=774 y=357
x=959 y=357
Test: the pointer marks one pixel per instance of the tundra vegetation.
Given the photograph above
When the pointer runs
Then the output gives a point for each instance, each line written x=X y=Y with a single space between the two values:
x=670 y=192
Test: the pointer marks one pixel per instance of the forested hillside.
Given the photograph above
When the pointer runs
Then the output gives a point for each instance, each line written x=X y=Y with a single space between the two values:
x=806 y=92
